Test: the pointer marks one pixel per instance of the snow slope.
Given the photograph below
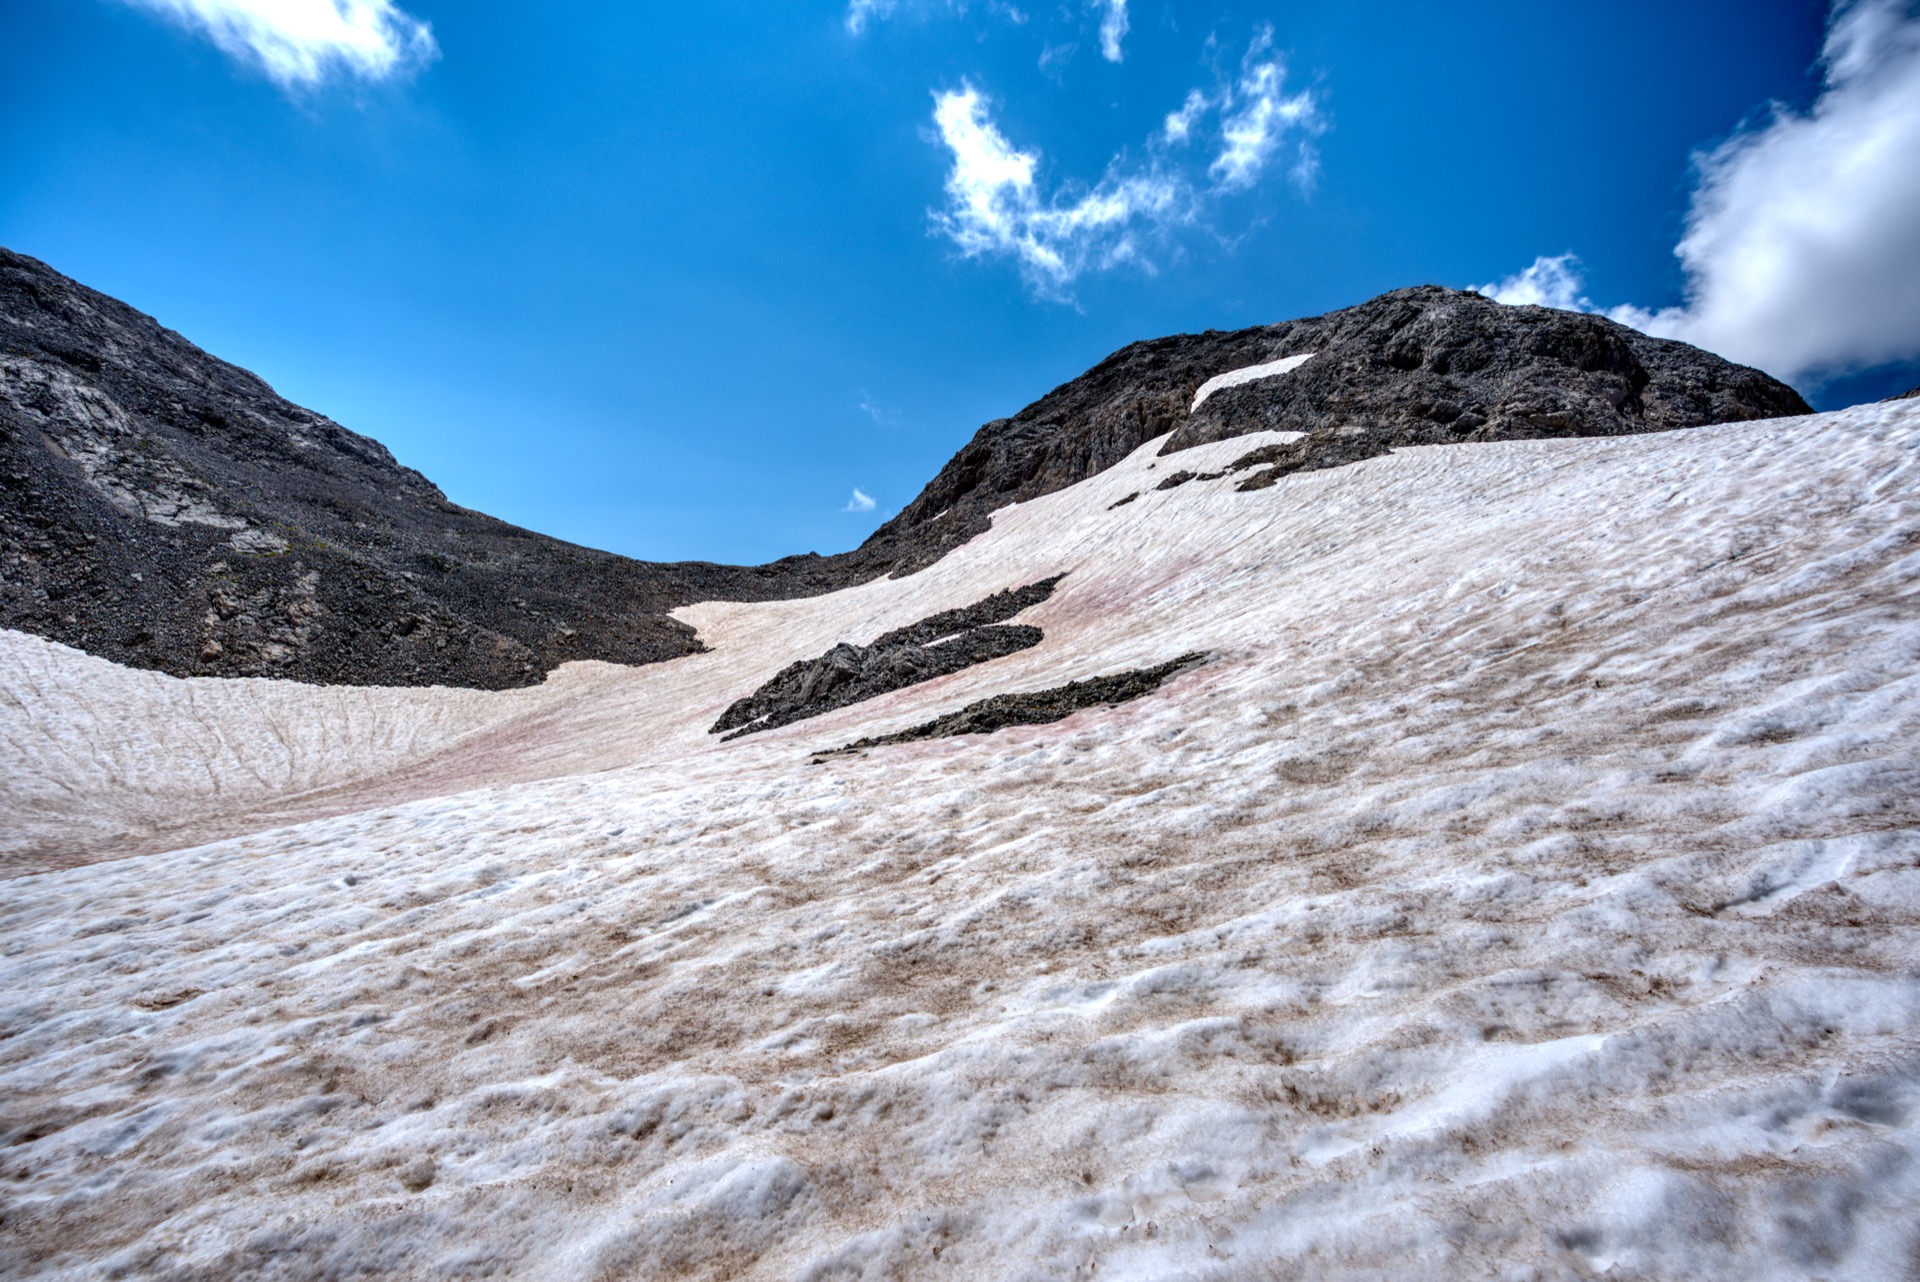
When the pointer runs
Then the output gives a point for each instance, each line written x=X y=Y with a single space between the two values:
x=1527 y=888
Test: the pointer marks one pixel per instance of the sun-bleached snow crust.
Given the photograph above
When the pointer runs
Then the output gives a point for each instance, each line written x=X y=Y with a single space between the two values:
x=1527 y=888
x=1247 y=374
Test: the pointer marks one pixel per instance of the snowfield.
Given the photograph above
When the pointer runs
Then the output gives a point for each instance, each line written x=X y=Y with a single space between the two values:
x=1526 y=888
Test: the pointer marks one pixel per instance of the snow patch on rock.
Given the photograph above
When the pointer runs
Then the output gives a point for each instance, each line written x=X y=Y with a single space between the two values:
x=1247 y=374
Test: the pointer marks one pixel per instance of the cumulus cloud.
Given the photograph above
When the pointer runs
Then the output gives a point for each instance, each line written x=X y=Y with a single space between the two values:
x=1550 y=282
x=1113 y=28
x=860 y=502
x=302 y=42
x=1802 y=241
x=996 y=207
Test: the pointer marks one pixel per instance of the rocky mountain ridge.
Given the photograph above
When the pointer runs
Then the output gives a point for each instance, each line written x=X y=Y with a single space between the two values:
x=169 y=511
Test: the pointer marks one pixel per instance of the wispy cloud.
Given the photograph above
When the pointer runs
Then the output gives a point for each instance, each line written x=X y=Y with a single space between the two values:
x=302 y=42
x=880 y=414
x=1111 y=16
x=1802 y=242
x=1113 y=28
x=1262 y=115
x=996 y=208
x=860 y=502
x=1179 y=124
x=862 y=12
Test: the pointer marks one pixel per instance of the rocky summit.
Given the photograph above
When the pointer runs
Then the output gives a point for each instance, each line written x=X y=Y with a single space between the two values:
x=169 y=511
x=1413 y=367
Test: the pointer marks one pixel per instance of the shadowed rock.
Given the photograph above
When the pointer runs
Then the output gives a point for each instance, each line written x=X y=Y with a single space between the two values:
x=935 y=646
x=1037 y=708
x=164 y=509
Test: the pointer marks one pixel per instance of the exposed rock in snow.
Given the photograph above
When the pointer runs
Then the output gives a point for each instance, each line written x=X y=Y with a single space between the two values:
x=1528 y=887
x=846 y=674
x=1038 y=707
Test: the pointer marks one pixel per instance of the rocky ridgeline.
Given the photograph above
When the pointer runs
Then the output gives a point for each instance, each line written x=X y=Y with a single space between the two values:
x=167 y=510
x=1414 y=367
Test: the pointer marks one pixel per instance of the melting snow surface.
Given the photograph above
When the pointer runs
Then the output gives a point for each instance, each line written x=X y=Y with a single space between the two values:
x=1527 y=889
x=1247 y=374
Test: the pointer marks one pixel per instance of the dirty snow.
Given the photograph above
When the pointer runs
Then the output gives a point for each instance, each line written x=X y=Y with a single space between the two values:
x=1526 y=889
x=1248 y=374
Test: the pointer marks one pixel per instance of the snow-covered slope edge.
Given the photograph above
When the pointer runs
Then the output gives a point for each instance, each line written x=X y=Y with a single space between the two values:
x=1528 y=888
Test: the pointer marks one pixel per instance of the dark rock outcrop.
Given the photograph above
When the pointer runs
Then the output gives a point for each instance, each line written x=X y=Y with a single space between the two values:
x=167 y=510
x=1417 y=366
x=1037 y=708
x=935 y=646
x=1914 y=395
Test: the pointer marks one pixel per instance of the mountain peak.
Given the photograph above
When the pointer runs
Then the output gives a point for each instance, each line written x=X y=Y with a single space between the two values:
x=168 y=510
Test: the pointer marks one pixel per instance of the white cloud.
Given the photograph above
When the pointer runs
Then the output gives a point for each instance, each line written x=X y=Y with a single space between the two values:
x=1179 y=125
x=995 y=206
x=1802 y=243
x=882 y=415
x=1113 y=28
x=1550 y=282
x=1262 y=116
x=301 y=42
x=861 y=12
x=860 y=502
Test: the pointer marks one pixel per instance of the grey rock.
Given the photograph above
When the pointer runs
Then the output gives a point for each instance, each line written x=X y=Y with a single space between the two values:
x=167 y=510
x=1040 y=707
x=1421 y=365
x=935 y=646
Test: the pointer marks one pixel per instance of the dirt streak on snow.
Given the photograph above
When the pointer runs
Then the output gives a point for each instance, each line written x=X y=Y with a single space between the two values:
x=1528 y=888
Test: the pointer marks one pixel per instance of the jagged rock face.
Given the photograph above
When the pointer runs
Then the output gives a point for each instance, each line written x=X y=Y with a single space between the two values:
x=167 y=510
x=1417 y=366
x=1914 y=395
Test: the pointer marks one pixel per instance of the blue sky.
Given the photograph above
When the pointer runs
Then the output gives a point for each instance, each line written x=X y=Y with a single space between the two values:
x=676 y=280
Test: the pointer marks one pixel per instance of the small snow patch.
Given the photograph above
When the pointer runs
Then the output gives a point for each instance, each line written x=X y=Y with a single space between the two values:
x=1248 y=374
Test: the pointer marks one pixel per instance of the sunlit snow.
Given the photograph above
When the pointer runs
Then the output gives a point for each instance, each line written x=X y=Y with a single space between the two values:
x=1247 y=374
x=1526 y=888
